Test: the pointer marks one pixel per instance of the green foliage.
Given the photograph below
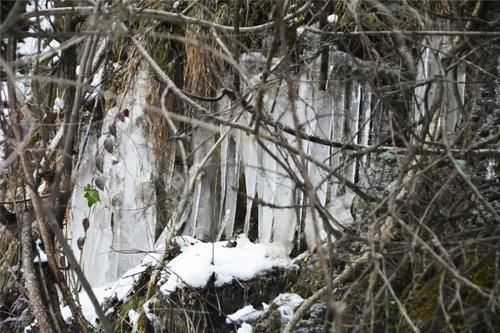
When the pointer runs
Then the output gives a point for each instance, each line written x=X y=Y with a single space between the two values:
x=461 y=164
x=91 y=194
x=388 y=155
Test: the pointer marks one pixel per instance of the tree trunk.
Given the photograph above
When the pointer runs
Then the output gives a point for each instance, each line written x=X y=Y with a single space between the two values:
x=32 y=282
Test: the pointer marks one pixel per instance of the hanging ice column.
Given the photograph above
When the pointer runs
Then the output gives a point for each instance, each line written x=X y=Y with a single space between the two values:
x=201 y=222
x=491 y=165
x=351 y=119
x=268 y=167
x=121 y=225
x=229 y=176
x=430 y=67
x=341 y=114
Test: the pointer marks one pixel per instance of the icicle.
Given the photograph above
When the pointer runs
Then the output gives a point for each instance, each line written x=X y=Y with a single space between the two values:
x=321 y=127
x=249 y=157
x=266 y=188
x=353 y=127
x=223 y=161
x=423 y=69
x=446 y=118
x=232 y=183
x=365 y=121
x=201 y=223
x=339 y=203
x=338 y=117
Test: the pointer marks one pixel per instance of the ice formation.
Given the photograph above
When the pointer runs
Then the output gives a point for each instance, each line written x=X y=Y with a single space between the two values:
x=124 y=218
x=122 y=223
x=452 y=87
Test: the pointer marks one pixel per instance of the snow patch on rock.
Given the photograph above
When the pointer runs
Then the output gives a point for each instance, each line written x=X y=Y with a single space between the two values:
x=199 y=261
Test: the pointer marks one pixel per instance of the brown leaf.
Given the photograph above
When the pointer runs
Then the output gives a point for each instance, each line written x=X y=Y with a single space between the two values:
x=48 y=175
x=100 y=182
x=108 y=144
x=112 y=129
x=121 y=116
x=99 y=163
x=85 y=224
x=80 y=242
x=231 y=243
x=62 y=262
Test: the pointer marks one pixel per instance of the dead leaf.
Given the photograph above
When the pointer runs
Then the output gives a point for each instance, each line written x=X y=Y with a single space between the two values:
x=100 y=182
x=112 y=129
x=108 y=144
x=121 y=116
x=62 y=262
x=80 y=242
x=85 y=224
x=99 y=163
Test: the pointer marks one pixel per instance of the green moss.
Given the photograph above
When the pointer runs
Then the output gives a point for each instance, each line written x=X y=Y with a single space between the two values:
x=310 y=278
x=483 y=276
x=208 y=306
x=424 y=299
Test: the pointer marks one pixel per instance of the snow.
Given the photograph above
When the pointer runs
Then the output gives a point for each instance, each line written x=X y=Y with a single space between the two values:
x=134 y=319
x=246 y=314
x=86 y=305
x=252 y=57
x=53 y=45
x=29 y=45
x=41 y=256
x=58 y=104
x=490 y=170
x=96 y=82
x=30 y=327
x=194 y=267
x=287 y=304
x=120 y=289
x=245 y=328
x=123 y=287
x=332 y=18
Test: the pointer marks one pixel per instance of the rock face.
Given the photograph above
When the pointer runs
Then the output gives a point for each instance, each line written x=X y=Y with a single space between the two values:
x=205 y=309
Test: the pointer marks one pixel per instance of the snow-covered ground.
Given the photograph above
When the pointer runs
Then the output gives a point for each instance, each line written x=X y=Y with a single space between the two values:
x=286 y=305
x=193 y=267
x=198 y=261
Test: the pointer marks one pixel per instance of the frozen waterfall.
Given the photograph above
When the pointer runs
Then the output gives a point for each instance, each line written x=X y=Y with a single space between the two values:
x=121 y=225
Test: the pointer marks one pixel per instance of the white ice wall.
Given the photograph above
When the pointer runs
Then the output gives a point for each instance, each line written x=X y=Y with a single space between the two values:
x=340 y=113
x=430 y=70
x=122 y=224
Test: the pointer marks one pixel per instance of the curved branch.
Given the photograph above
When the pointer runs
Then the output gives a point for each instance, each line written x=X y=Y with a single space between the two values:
x=174 y=18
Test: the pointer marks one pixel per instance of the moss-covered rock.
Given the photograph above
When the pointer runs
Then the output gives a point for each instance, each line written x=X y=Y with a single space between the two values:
x=206 y=309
